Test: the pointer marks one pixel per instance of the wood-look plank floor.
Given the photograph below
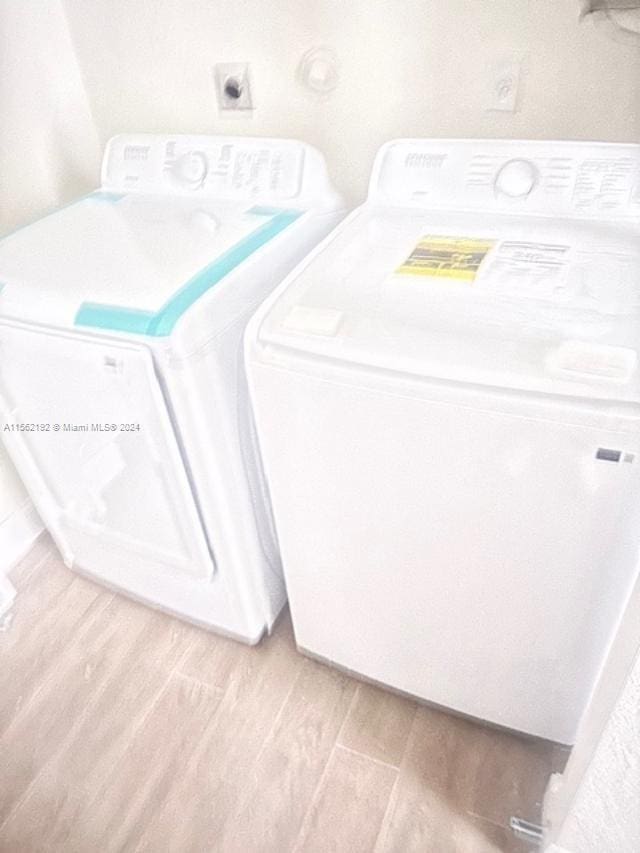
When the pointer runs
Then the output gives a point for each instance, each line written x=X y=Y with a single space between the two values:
x=122 y=729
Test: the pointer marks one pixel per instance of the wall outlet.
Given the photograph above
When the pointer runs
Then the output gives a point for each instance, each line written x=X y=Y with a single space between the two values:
x=503 y=81
x=233 y=86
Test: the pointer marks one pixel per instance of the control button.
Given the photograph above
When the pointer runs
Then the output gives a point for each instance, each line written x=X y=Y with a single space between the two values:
x=206 y=220
x=516 y=178
x=191 y=169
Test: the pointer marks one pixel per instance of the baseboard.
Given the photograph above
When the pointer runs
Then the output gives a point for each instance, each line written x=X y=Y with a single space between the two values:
x=7 y=595
x=18 y=532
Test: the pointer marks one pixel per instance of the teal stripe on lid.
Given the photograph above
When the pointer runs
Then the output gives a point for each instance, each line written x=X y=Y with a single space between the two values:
x=115 y=318
x=119 y=319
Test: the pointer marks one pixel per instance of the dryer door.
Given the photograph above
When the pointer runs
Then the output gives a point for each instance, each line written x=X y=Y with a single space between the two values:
x=86 y=424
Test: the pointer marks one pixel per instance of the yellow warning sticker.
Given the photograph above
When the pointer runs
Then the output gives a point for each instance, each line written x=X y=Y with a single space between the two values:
x=446 y=257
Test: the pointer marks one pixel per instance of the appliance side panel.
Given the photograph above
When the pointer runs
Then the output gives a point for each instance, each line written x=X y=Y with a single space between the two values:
x=210 y=412
x=206 y=387
x=477 y=559
x=87 y=427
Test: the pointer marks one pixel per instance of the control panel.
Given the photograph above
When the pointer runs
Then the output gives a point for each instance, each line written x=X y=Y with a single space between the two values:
x=584 y=180
x=224 y=167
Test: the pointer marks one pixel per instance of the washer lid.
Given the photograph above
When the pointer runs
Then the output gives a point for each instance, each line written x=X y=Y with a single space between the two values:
x=532 y=303
x=175 y=215
x=129 y=262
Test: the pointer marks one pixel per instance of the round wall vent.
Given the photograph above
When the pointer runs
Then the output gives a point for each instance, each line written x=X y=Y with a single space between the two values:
x=621 y=18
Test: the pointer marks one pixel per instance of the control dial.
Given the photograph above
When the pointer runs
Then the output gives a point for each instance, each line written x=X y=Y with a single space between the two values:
x=516 y=178
x=191 y=169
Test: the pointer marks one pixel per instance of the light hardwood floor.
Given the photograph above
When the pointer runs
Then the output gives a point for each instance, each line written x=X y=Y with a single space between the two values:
x=122 y=729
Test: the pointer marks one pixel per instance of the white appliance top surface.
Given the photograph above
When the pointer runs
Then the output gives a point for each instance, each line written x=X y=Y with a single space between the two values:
x=132 y=250
x=498 y=297
x=174 y=215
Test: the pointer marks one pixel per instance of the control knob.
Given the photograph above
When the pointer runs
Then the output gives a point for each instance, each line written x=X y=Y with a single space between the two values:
x=190 y=169
x=516 y=178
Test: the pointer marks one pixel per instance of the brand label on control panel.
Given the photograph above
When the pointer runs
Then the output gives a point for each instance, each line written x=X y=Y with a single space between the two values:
x=447 y=257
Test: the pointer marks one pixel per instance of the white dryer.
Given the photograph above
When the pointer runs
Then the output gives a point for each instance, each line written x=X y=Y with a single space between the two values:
x=122 y=388
x=447 y=398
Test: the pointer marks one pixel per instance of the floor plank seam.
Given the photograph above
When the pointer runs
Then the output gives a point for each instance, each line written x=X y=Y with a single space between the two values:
x=352 y=704
x=195 y=756
x=144 y=716
x=368 y=757
x=32 y=578
x=77 y=723
x=69 y=574
x=388 y=813
x=15 y=570
x=214 y=689
x=50 y=676
x=278 y=716
x=312 y=801
x=393 y=796
x=254 y=764
x=173 y=673
x=318 y=788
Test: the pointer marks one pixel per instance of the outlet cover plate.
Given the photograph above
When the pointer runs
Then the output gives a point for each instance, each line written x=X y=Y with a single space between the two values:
x=503 y=82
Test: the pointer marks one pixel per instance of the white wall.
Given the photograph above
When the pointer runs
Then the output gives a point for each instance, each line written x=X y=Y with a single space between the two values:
x=605 y=814
x=595 y=804
x=48 y=146
x=407 y=67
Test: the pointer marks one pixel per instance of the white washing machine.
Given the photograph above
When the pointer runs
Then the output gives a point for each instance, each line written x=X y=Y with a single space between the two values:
x=122 y=387
x=447 y=399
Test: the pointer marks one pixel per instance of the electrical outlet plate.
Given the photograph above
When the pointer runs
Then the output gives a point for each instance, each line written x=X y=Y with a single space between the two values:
x=503 y=81
x=233 y=86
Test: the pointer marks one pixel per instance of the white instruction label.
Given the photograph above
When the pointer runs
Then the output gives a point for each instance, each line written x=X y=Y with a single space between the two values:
x=604 y=184
x=521 y=268
x=252 y=171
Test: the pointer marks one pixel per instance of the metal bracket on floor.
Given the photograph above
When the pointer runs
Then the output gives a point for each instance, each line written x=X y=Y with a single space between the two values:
x=526 y=830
